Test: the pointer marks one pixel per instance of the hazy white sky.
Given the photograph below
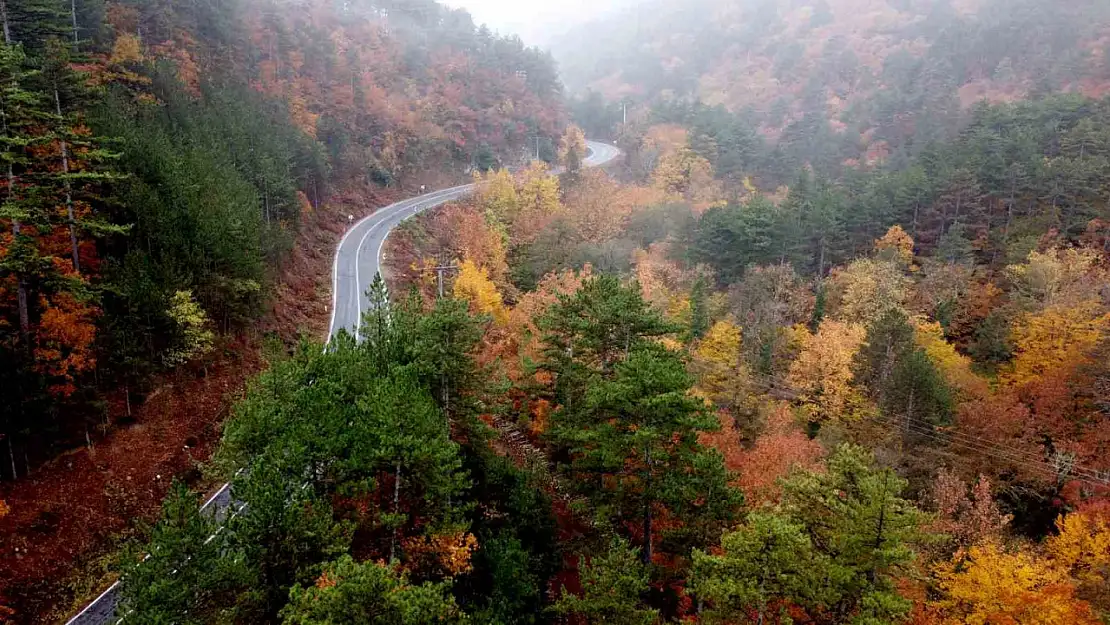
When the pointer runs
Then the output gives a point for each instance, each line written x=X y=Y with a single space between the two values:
x=534 y=20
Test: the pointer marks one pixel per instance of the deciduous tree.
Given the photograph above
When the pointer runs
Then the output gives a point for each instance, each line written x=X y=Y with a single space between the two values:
x=996 y=586
x=572 y=148
x=718 y=364
x=474 y=286
x=1056 y=339
x=822 y=373
x=865 y=289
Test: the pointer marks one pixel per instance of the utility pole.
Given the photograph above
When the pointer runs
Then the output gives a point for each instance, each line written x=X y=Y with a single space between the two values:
x=444 y=265
x=441 y=270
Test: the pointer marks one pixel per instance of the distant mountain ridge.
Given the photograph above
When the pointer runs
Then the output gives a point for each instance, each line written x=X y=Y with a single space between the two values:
x=865 y=63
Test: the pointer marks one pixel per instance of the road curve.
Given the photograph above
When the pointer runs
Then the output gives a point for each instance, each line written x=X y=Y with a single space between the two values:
x=358 y=255
x=357 y=261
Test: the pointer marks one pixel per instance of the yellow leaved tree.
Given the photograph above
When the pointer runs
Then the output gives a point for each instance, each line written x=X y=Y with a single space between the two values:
x=473 y=284
x=539 y=190
x=687 y=175
x=598 y=207
x=1059 y=276
x=572 y=148
x=1082 y=548
x=126 y=49
x=718 y=364
x=990 y=586
x=446 y=554
x=498 y=197
x=1056 y=339
x=822 y=375
x=896 y=245
x=954 y=366
x=866 y=289
x=195 y=339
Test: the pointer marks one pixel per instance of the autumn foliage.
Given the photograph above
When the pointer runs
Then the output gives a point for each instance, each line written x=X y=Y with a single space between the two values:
x=997 y=586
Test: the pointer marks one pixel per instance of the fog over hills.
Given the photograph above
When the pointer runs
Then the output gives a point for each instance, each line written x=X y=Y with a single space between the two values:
x=539 y=23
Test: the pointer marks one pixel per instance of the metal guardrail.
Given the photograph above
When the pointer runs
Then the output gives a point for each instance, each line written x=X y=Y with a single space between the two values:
x=102 y=610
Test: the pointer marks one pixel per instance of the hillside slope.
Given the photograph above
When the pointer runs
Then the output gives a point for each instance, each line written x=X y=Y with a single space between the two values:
x=173 y=172
x=891 y=71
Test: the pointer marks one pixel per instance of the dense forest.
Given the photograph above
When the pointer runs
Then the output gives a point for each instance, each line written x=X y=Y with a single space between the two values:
x=161 y=156
x=923 y=420
x=162 y=162
x=830 y=81
x=830 y=346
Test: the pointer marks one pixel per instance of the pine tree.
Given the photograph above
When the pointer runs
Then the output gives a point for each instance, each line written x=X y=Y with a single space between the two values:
x=625 y=414
x=285 y=531
x=611 y=587
x=413 y=451
x=762 y=567
x=598 y=326
x=188 y=573
x=699 y=313
x=442 y=343
x=856 y=517
x=903 y=380
x=16 y=104
x=352 y=593
x=31 y=23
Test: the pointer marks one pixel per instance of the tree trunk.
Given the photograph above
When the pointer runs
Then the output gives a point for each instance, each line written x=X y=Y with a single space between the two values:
x=916 y=211
x=11 y=451
x=909 y=416
x=7 y=28
x=24 y=308
x=396 y=500
x=69 y=191
x=647 y=508
x=73 y=14
x=882 y=518
x=21 y=284
x=888 y=364
x=1056 y=201
x=1010 y=211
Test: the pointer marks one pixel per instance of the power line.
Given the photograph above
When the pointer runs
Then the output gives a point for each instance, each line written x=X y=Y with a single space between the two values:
x=1023 y=455
x=997 y=450
x=1012 y=453
x=1088 y=476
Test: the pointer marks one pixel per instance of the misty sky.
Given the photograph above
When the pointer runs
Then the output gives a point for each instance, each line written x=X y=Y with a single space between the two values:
x=534 y=20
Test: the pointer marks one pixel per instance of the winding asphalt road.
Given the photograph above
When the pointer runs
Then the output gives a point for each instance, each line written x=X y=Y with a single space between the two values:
x=358 y=256
x=357 y=261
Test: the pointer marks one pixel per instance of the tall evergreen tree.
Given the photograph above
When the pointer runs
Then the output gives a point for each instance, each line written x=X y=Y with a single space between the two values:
x=625 y=416
x=285 y=531
x=612 y=583
x=188 y=573
x=857 y=518
x=699 y=313
x=353 y=593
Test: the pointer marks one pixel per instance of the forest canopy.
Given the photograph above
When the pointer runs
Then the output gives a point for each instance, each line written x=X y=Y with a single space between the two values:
x=828 y=344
